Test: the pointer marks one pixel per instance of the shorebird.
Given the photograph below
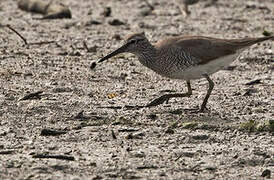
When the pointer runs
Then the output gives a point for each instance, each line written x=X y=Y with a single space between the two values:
x=183 y=5
x=184 y=57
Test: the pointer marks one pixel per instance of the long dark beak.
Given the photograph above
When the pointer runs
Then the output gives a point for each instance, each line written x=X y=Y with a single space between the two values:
x=114 y=53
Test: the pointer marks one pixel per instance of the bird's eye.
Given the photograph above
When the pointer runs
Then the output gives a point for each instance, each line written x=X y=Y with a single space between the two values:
x=133 y=41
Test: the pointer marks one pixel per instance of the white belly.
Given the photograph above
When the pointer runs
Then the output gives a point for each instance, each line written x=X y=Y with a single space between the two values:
x=198 y=71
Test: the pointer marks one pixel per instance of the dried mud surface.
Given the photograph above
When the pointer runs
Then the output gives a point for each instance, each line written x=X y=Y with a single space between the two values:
x=100 y=138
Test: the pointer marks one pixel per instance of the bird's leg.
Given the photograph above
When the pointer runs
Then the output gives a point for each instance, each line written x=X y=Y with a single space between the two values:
x=210 y=88
x=184 y=9
x=166 y=97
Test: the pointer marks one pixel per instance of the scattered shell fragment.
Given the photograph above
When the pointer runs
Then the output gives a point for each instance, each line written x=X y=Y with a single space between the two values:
x=49 y=10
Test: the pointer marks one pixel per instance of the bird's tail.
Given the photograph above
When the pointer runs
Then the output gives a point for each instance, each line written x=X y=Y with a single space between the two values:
x=250 y=41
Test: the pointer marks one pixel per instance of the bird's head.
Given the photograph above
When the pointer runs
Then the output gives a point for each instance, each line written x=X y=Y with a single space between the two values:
x=134 y=43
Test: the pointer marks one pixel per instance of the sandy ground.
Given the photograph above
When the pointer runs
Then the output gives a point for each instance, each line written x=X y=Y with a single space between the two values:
x=94 y=134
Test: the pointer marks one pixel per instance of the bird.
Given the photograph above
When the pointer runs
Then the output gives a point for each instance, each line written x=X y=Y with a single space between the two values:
x=183 y=5
x=184 y=57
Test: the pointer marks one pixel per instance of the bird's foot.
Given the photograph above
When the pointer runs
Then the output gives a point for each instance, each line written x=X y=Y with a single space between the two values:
x=203 y=109
x=158 y=101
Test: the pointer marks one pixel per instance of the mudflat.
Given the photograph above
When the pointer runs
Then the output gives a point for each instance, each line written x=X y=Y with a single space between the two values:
x=61 y=120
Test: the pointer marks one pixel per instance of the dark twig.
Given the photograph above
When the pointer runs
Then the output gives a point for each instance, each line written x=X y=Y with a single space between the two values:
x=256 y=81
x=128 y=130
x=89 y=49
x=62 y=157
x=42 y=42
x=146 y=167
x=85 y=45
x=35 y=95
x=51 y=132
x=113 y=134
x=24 y=39
x=7 y=152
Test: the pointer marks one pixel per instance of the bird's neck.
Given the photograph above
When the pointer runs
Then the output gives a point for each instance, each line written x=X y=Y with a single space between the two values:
x=148 y=56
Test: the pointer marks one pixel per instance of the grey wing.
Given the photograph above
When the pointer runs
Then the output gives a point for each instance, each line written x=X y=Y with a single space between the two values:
x=201 y=50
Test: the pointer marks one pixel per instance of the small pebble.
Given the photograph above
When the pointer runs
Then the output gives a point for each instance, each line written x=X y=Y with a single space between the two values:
x=145 y=12
x=92 y=22
x=116 y=22
x=169 y=131
x=268 y=52
x=93 y=65
x=266 y=173
x=117 y=37
x=138 y=154
x=152 y=116
x=106 y=12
